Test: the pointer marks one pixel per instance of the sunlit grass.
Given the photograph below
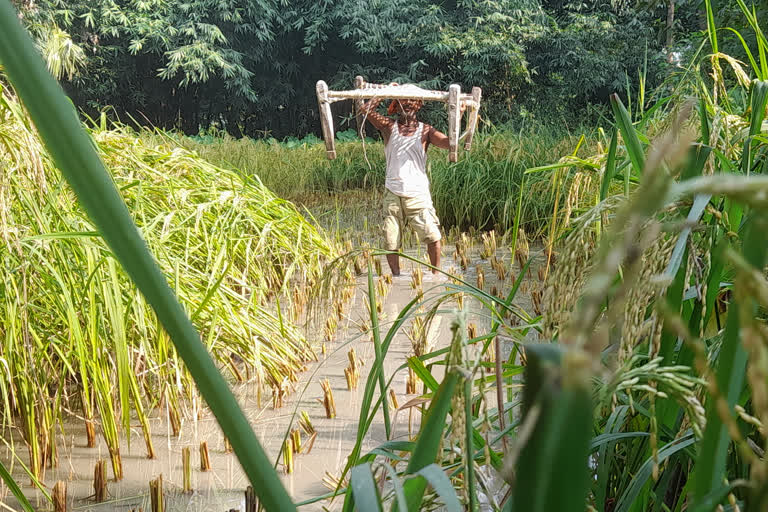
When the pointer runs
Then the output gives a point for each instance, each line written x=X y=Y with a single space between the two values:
x=225 y=243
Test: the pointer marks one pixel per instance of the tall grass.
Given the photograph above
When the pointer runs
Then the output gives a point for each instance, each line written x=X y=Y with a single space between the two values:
x=77 y=334
x=481 y=190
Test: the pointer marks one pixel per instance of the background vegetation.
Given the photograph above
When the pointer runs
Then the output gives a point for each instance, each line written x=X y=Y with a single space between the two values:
x=250 y=67
x=481 y=190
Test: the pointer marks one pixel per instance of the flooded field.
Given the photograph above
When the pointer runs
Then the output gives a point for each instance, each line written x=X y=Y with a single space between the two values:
x=318 y=465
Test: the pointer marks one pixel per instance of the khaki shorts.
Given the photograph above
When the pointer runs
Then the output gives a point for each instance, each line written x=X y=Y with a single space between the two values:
x=416 y=212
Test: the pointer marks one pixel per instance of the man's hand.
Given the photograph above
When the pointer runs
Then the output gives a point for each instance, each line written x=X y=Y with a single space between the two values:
x=369 y=107
x=380 y=122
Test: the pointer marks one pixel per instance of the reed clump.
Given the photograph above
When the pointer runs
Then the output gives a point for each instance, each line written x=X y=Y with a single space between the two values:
x=328 y=402
x=352 y=372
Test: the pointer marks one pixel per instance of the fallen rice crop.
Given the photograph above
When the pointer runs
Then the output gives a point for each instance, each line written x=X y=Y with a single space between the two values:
x=75 y=334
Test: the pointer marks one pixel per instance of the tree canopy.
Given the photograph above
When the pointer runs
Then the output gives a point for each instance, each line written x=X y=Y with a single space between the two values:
x=249 y=66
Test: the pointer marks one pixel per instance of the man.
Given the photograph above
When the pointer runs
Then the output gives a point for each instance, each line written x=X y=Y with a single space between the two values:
x=407 y=200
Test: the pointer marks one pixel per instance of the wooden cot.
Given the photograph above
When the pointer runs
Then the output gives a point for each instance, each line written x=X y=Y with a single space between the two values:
x=366 y=91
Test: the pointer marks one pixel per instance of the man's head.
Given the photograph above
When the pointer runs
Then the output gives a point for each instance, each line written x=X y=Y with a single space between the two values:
x=407 y=108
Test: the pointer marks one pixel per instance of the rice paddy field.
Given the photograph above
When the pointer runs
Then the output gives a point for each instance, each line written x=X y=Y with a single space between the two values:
x=207 y=323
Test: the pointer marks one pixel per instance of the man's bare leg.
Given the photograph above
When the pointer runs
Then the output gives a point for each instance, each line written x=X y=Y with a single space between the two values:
x=433 y=249
x=394 y=264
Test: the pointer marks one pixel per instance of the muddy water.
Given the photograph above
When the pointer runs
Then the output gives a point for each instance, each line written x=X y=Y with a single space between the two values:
x=221 y=489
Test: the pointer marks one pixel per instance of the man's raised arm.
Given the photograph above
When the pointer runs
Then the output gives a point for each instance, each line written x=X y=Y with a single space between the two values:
x=438 y=138
x=382 y=123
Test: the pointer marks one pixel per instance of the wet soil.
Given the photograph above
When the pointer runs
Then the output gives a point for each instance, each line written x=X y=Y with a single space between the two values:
x=221 y=489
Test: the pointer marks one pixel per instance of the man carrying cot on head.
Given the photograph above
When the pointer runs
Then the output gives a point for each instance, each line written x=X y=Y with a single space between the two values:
x=407 y=200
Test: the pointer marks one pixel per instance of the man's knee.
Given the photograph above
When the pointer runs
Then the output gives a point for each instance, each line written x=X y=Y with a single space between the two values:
x=391 y=233
x=428 y=226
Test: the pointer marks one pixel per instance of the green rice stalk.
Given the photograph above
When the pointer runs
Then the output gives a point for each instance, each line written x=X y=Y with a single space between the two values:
x=72 y=150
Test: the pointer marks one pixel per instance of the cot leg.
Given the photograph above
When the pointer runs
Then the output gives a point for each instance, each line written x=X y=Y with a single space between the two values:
x=454 y=90
x=473 y=115
x=359 y=84
x=326 y=120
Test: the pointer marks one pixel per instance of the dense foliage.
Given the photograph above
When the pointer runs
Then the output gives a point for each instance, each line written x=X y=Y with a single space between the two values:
x=250 y=67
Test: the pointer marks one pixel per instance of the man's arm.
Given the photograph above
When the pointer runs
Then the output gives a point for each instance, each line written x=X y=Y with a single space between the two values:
x=437 y=138
x=382 y=123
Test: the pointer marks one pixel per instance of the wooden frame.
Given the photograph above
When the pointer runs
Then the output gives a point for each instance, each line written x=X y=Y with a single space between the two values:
x=365 y=91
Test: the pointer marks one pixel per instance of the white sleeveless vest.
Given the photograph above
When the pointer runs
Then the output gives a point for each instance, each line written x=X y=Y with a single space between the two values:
x=406 y=164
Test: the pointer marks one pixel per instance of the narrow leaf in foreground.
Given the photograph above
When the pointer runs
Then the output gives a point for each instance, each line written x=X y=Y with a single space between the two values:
x=6 y=477
x=431 y=432
x=551 y=472
x=364 y=488
x=628 y=133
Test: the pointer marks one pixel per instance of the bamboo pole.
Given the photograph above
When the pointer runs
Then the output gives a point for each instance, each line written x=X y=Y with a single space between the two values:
x=397 y=92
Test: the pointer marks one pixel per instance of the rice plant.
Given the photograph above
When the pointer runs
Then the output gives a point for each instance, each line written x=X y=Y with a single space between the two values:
x=648 y=392
x=77 y=333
